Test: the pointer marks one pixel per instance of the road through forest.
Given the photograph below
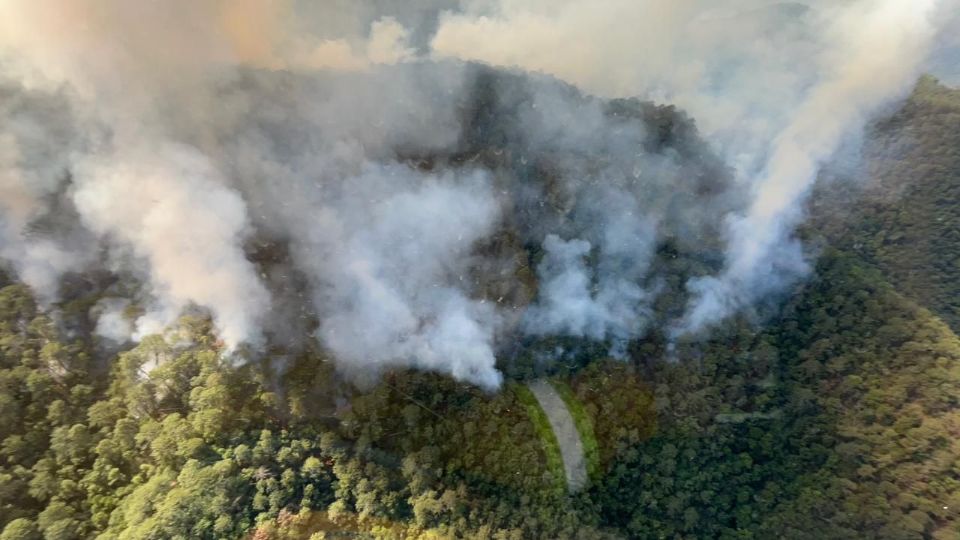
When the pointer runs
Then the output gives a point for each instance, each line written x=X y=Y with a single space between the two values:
x=565 y=429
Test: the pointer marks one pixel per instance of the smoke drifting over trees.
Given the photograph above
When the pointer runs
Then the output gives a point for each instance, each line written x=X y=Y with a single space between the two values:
x=362 y=183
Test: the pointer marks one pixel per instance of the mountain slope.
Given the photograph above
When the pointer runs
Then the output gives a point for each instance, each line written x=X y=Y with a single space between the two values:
x=858 y=436
x=840 y=418
x=903 y=216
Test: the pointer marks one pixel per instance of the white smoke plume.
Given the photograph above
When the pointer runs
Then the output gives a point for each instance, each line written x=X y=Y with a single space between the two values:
x=395 y=294
x=803 y=76
x=171 y=206
x=167 y=166
x=605 y=301
x=112 y=321
x=738 y=66
x=879 y=48
x=336 y=171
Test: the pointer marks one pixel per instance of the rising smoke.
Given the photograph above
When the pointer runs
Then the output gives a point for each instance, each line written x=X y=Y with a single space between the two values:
x=345 y=172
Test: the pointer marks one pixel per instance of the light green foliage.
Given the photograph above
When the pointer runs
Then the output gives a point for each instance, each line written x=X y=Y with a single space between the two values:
x=551 y=448
x=20 y=529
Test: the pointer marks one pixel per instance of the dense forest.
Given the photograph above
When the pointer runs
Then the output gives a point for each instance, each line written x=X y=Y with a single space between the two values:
x=899 y=211
x=835 y=416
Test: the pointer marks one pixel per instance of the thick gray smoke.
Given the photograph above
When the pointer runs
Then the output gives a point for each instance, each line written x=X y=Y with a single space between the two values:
x=398 y=260
x=36 y=141
x=337 y=172
x=877 y=50
x=169 y=204
x=605 y=301
x=802 y=76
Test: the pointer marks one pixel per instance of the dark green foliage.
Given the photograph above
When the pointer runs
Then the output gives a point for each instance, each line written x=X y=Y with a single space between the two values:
x=875 y=368
x=860 y=447
x=904 y=217
x=619 y=407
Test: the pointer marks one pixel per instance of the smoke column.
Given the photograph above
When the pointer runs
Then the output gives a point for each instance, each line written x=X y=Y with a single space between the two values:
x=879 y=48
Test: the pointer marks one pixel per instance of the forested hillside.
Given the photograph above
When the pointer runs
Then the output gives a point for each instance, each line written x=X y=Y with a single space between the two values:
x=836 y=418
x=862 y=444
x=857 y=435
x=901 y=213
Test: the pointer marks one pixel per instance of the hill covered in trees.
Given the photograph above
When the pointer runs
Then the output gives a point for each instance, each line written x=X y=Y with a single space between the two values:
x=899 y=212
x=837 y=417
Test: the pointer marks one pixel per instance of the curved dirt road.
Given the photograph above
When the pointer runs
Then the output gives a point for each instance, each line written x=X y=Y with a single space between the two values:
x=564 y=428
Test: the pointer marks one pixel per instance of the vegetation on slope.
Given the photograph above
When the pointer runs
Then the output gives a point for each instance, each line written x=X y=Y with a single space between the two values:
x=551 y=447
x=176 y=444
x=866 y=446
x=846 y=403
x=903 y=216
